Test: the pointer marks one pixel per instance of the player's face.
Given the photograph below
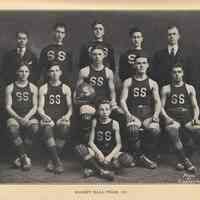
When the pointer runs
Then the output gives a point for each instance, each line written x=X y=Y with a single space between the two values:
x=55 y=73
x=137 y=39
x=104 y=111
x=173 y=36
x=177 y=74
x=60 y=34
x=22 y=40
x=98 y=31
x=23 y=73
x=97 y=56
x=141 y=65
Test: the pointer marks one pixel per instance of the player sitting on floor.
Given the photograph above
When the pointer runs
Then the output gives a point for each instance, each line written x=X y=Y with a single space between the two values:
x=141 y=103
x=104 y=145
x=180 y=110
x=55 y=109
x=21 y=105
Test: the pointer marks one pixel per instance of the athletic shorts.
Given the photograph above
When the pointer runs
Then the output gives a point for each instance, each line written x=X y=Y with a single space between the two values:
x=143 y=112
x=181 y=115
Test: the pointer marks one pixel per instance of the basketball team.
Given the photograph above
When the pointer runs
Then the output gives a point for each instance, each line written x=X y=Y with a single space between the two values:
x=111 y=127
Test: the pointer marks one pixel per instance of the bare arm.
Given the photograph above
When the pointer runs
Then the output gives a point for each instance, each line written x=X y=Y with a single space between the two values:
x=82 y=75
x=91 y=142
x=118 y=146
x=164 y=94
x=67 y=91
x=35 y=102
x=195 y=106
x=124 y=96
x=42 y=92
x=111 y=86
x=157 y=102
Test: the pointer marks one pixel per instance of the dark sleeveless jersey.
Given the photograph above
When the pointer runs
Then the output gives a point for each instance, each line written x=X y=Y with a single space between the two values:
x=99 y=81
x=58 y=54
x=178 y=104
x=105 y=137
x=22 y=99
x=140 y=99
x=126 y=61
x=85 y=59
x=55 y=102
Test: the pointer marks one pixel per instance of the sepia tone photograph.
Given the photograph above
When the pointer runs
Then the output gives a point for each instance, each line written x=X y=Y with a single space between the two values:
x=99 y=97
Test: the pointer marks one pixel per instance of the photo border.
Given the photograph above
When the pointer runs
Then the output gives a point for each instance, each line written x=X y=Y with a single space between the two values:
x=105 y=191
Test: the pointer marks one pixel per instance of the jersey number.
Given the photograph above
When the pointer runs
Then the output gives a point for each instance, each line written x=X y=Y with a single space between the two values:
x=140 y=92
x=131 y=58
x=22 y=96
x=54 y=99
x=178 y=99
x=96 y=81
x=51 y=55
x=104 y=136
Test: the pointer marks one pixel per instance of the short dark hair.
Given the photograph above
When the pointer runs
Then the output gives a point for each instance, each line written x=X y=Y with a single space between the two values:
x=98 y=46
x=134 y=30
x=94 y=23
x=142 y=55
x=53 y=64
x=60 y=24
x=22 y=31
x=177 y=65
x=21 y=65
x=173 y=26
x=102 y=101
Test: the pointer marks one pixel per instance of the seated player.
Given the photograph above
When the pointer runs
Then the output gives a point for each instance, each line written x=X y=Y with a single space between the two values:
x=141 y=103
x=99 y=76
x=21 y=105
x=55 y=109
x=104 y=145
x=180 y=109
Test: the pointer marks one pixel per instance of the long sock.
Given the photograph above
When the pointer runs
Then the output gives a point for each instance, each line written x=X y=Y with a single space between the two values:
x=21 y=150
x=54 y=154
x=180 y=154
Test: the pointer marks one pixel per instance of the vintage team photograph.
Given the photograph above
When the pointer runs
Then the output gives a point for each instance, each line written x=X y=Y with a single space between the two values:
x=99 y=97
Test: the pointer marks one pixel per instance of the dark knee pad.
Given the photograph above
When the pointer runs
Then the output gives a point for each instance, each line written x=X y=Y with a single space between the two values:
x=34 y=128
x=63 y=132
x=47 y=132
x=14 y=132
x=82 y=151
x=173 y=132
x=125 y=159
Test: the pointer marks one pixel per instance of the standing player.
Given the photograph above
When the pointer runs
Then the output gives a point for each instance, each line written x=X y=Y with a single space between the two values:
x=180 y=109
x=127 y=59
x=98 y=34
x=21 y=105
x=104 y=145
x=14 y=58
x=57 y=53
x=55 y=109
x=141 y=103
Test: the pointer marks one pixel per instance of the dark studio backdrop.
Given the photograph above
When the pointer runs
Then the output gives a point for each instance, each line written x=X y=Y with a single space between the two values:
x=153 y=24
